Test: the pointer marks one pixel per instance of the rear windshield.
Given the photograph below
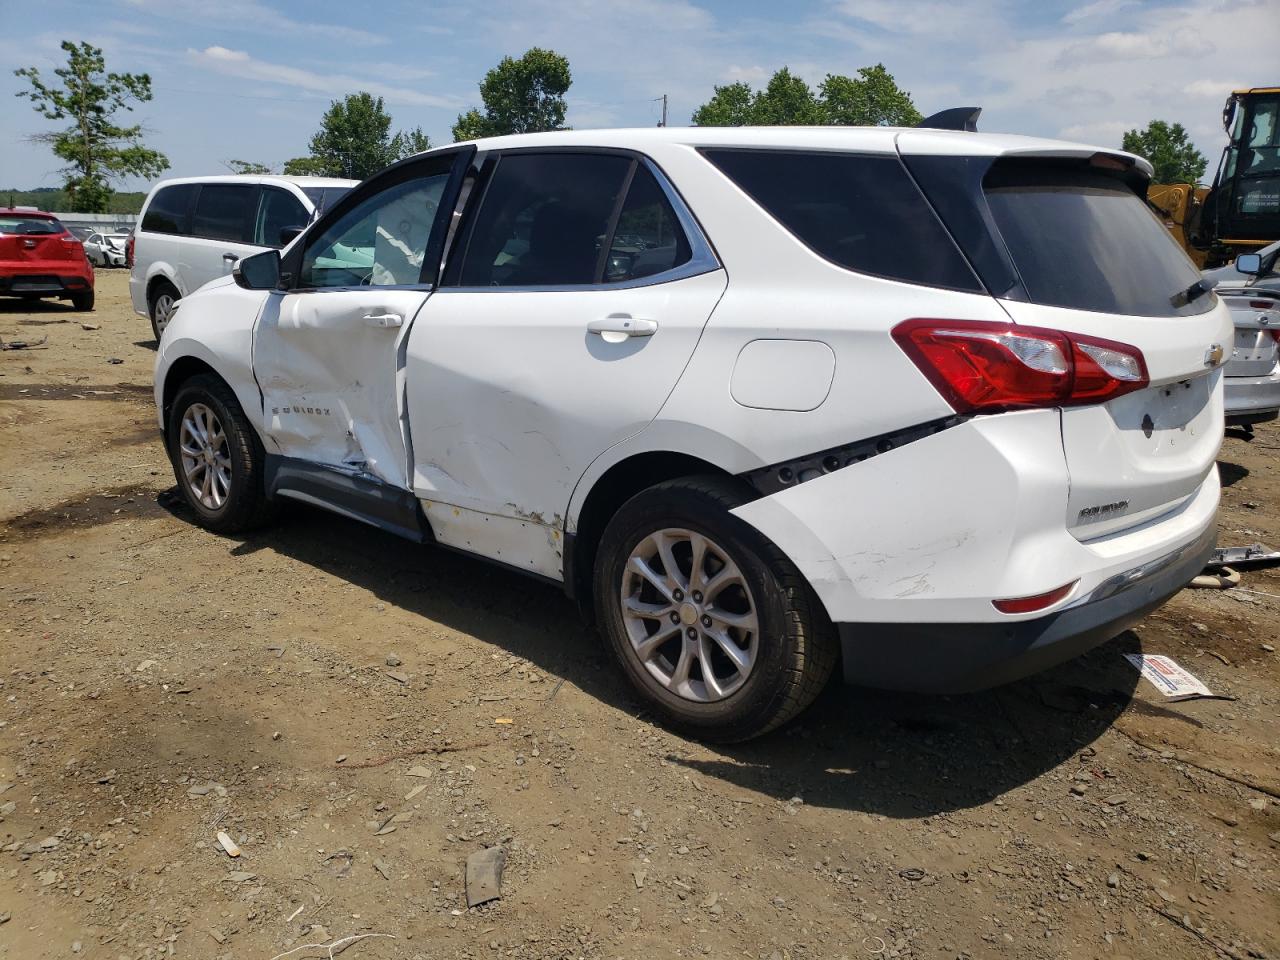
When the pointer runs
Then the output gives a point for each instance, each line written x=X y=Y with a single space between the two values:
x=860 y=211
x=1085 y=240
x=322 y=198
x=29 y=226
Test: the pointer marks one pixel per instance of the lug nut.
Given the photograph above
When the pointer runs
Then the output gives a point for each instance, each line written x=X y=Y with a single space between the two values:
x=697 y=596
x=691 y=633
x=678 y=594
x=706 y=621
x=675 y=617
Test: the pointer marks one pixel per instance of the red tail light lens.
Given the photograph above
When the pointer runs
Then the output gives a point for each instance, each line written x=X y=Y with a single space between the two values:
x=1041 y=601
x=128 y=251
x=982 y=367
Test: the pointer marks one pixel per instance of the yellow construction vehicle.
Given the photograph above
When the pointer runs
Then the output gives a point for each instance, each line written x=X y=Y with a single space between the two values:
x=1240 y=212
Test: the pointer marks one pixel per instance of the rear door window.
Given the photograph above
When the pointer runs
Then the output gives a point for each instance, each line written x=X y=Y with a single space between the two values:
x=544 y=220
x=860 y=211
x=1083 y=239
x=647 y=239
x=277 y=209
x=169 y=209
x=224 y=211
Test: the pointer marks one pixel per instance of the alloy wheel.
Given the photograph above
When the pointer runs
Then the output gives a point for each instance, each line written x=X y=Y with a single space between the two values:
x=689 y=614
x=206 y=464
x=164 y=310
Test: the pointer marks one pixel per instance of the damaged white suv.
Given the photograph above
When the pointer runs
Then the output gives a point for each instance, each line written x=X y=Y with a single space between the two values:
x=941 y=405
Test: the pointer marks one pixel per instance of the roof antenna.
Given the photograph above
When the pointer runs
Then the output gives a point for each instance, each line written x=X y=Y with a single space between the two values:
x=957 y=118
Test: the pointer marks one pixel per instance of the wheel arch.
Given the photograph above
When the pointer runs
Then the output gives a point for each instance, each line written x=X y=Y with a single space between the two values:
x=610 y=490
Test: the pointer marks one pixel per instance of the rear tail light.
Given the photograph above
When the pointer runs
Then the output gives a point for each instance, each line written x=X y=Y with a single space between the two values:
x=982 y=367
x=128 y=251
x=1041 y=601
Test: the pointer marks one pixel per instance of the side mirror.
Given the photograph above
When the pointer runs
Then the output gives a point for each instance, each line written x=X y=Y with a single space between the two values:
x=288 y=233
x=1250 y=263
x=259 y=272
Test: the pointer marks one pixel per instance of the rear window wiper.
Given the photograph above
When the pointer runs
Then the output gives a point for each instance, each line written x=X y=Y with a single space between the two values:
x=1193 y=292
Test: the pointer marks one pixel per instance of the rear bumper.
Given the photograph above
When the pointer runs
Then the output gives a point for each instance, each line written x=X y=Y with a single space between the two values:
x=44 y=284
x=961 y=657
x=1252 y=399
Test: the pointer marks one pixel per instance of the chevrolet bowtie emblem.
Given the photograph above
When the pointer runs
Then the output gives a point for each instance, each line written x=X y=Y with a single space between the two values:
x=1213 y=356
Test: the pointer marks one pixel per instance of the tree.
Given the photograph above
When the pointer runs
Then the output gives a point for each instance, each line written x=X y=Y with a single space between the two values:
x=248 y=167
x=520 y=96
x=872 y=98
x=355 y=140
x=1174 y=156
x=96 y=149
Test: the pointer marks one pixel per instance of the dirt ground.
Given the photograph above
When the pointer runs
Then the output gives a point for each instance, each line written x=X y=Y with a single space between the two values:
x=361 y=714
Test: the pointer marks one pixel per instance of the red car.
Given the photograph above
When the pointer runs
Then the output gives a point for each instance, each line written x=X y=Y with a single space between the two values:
x=39 y=257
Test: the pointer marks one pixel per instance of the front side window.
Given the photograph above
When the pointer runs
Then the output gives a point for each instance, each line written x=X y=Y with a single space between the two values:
x=277 y=209
x=379 y=242
x=544 y=220
x=169 y=209
x=860 y=211
x=224 y=211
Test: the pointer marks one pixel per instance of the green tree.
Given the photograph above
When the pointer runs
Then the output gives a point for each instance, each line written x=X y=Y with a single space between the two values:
x=249 y=167
x=96 y=149
x=872 y=98
x=520 y=96
x=1171 y=152
x=307 y=167
x=355 y=140
x=408 y=142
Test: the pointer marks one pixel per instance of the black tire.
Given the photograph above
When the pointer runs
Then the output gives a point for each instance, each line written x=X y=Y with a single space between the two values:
x=159 y=290
x=83 y=301
x=245 y=505
x=795 y=647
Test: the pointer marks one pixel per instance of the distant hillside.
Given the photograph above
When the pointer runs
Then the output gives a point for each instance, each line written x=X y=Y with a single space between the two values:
x=51 y=198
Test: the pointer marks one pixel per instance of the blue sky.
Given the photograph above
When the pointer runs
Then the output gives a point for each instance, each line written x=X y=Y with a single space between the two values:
x=249 y=79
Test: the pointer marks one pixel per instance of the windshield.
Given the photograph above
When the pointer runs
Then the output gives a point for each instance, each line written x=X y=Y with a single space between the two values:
x=29 y=226
x=324 y=197
x=1083 y=239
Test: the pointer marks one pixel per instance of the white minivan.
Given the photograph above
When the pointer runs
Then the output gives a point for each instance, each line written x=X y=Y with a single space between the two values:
x=193 y=230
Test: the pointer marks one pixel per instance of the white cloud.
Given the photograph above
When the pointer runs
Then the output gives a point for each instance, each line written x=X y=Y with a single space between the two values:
x=238 y=63
x=1181 y=42
x=1212 y=89
x=1097 y=9
x=252 y=16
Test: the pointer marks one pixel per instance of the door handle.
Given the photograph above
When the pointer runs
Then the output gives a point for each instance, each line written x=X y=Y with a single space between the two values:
x=383 y=319
x=619 y=326
x=232 y=257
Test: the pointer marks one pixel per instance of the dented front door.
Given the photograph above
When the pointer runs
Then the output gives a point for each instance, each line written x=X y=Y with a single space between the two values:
x=328 y=354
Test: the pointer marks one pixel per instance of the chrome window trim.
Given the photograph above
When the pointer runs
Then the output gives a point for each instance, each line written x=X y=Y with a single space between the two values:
x=702 y=257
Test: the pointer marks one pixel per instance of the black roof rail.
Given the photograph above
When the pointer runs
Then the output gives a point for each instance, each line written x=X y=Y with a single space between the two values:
x=957 y=118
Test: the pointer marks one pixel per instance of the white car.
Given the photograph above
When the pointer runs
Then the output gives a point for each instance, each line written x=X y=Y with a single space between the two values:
x=106 y=249
x=942 y=405
x=193 y=230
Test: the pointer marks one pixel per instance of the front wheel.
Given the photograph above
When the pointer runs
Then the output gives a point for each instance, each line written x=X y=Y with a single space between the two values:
x=217 y=458
x=713 y=625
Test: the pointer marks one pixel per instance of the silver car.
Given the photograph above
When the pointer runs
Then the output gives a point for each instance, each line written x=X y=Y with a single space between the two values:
x=1251 y=290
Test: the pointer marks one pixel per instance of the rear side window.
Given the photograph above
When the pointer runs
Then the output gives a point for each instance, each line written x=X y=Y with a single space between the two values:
x=29 y=226
x=648 y=238
x=224 y=211
x=860 y=211
x=1083 y=239
x=277 y=209
x=169 y=209
x=544 y=220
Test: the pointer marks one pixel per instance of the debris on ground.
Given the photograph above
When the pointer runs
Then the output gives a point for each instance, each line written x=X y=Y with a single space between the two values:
x=484 y=875
x=228 y=844
x=1167 y=677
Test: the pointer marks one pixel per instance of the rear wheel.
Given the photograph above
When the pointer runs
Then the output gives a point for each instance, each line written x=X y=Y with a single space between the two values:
x=164 y=297
x=82 y=301
x=217 y=458
x=711 y=622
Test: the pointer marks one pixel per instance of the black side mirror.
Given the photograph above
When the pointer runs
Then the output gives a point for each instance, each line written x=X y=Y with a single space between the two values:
x=288 y=233
x=1250 y=263
x=259 y=272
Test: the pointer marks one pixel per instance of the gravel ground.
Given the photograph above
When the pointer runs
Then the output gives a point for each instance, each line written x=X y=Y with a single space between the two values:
x=359 y=715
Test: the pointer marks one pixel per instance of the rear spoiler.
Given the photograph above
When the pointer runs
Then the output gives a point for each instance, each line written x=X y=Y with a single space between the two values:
x=957 y=118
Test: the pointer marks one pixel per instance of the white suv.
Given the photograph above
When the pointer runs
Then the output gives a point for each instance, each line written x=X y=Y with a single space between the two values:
x=193 y=230
x=944 y=403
